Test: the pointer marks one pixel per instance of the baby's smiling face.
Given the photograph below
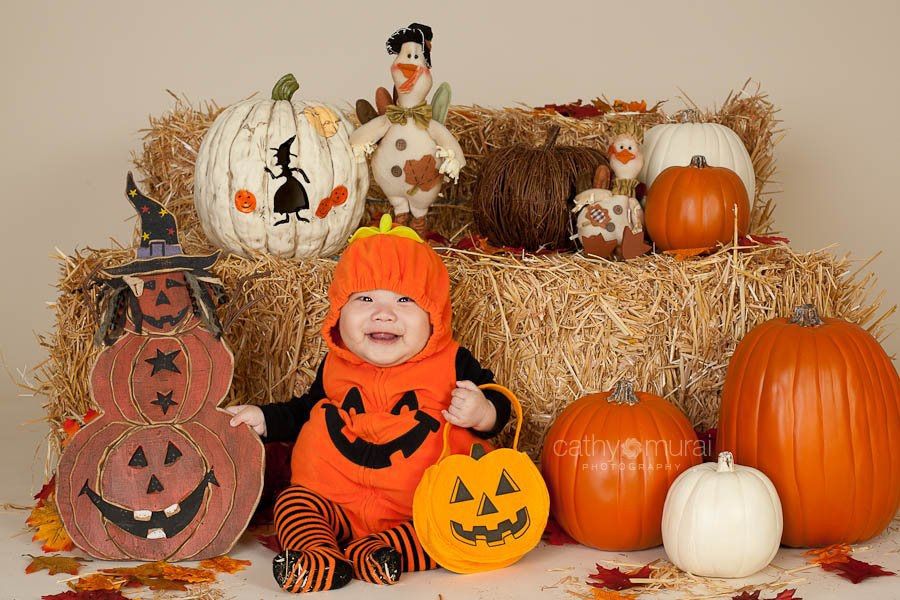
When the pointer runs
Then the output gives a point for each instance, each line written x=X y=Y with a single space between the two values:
x=383 y=328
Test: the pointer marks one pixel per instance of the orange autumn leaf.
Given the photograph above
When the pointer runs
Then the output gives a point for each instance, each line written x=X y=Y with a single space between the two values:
x=602 y=594
x=835 y=553
x=421 y=174
x=225 y=564
x=686 y=253
x=97 y=581
x=161 y=583
x=54 y=564
x=633 y=106
x=187 y=574
x=44 y=518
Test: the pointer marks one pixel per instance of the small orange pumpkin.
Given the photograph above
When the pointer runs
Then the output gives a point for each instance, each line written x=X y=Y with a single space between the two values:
x=695 y=206
x=815 y=405
x=245 y=201
x=481 y=511
x=609 y=460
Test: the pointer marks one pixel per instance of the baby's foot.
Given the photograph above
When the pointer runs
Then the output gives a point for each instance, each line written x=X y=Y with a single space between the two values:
x=374 y=561
x=312 y=570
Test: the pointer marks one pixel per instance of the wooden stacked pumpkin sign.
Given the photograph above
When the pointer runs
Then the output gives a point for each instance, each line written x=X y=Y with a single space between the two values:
x=278 y=176
x=160 y=474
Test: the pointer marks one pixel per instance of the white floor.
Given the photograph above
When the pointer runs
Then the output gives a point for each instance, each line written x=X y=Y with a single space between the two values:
x=538 y=575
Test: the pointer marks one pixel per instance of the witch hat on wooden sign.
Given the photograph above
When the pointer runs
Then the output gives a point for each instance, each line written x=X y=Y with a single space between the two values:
x=159 y=249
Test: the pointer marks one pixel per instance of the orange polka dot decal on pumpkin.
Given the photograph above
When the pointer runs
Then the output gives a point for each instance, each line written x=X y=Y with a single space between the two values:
x=484 y=510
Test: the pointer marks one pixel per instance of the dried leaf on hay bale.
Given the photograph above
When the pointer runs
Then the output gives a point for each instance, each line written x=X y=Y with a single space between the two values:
x=551 y=327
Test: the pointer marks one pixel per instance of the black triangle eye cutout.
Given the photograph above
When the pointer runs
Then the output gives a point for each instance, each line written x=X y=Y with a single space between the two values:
x=172 y=454
x=506 y=485
x=353 y=400
x=460 y=492
x=409 y=400
x=138 y=459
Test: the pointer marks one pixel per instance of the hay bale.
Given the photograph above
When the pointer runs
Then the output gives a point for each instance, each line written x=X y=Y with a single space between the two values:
x=551 y=327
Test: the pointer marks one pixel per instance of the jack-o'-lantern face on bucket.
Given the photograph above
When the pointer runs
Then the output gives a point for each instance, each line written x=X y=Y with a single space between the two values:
x=164 y=300
x=152 y=483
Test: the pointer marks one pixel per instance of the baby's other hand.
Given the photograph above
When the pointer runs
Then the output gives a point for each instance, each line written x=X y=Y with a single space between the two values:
x=249 y=414
x=469 y=408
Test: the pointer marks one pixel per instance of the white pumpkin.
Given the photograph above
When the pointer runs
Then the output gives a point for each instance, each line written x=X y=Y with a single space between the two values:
x=722 y=520
x=278 y=176
x=674 y=144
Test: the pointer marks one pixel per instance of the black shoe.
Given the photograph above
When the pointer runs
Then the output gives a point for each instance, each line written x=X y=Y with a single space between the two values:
x=292 y=573
x=388 y=560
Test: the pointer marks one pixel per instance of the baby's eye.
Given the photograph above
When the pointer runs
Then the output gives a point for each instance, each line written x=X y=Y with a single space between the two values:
x=405 y=299
x=364 y=298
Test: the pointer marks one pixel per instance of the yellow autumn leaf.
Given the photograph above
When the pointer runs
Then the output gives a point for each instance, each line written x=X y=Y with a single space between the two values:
x=603 y=594
x=97 y=581
x=49 y=528
x=225 y=564
x=54 y=564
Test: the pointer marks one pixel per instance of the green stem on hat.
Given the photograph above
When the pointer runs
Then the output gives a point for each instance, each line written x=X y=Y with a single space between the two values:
x=285 y=87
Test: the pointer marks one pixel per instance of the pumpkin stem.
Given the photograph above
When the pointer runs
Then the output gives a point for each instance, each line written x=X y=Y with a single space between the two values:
x=688 y=115
x=623 y=393
x=806 y=315
x=726 y=463
x=552 y=134
x=285 y=87
x=699 y=161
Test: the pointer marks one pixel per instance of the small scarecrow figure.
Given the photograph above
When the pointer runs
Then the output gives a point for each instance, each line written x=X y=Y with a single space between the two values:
x=413 y=151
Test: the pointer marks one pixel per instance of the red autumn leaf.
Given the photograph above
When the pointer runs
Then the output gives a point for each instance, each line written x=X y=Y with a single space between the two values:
x=762 y=240
x=615 y=579
x=783 y=595
x=87 y=595
x=555 y=535
x=855 y=570
x=421 y=174
x=746 y=596
x=46 y=490
x=270 y=541
x=787 y=595
x=574 y=110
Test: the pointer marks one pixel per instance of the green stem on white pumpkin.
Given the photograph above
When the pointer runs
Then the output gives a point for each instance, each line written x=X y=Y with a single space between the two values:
x=726 y=463
x=285 y=87
x=623 y=393
x=806 y=315
x=699 y=161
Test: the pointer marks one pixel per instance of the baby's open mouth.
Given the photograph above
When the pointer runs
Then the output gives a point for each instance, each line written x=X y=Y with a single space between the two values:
x=382 y=336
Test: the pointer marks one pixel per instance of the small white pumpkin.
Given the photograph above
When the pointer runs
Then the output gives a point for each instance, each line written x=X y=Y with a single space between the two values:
x=278 y=176
x=722 y=520
x=674 y=144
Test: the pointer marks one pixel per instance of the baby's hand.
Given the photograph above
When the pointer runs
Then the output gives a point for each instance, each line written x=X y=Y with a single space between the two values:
x=469 y=408
x=249 y=414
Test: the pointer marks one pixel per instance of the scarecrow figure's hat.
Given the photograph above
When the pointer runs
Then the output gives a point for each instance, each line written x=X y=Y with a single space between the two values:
x=159 y=249
x=415 y=32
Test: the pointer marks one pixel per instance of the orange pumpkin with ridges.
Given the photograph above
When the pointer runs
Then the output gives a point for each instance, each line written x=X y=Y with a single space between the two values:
x=609 y=460
x=694 y=206
x=815 y=405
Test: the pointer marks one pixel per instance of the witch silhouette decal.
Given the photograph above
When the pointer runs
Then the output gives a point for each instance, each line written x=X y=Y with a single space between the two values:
x=291 y=196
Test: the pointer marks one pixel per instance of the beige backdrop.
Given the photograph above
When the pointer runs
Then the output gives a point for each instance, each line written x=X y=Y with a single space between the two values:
x=80 y=80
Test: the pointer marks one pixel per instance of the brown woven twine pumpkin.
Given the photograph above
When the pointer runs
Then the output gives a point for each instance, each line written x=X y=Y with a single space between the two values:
x=523 y=195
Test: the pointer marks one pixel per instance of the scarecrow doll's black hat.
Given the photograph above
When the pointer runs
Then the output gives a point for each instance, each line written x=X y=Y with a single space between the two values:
x=414 y=32
x=159 y=249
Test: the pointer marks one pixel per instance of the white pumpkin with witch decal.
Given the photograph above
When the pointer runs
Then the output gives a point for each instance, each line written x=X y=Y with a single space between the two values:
x=413 y=151
x=278 y=176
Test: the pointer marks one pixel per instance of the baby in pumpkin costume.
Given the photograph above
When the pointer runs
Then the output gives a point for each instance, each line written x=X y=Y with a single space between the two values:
x=370 y=423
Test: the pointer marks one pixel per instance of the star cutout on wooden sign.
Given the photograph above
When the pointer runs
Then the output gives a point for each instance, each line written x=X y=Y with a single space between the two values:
x=164 y=361
x=164 y=401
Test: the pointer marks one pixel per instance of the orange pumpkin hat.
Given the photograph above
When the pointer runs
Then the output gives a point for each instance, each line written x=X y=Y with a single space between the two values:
x=396 y=259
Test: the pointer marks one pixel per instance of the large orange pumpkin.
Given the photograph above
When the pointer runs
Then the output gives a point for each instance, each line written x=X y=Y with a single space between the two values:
x=609 y=460
x=694 y=206
x=815 y=405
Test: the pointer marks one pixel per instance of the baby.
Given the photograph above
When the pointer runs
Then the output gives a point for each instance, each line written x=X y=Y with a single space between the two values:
x=370 y=423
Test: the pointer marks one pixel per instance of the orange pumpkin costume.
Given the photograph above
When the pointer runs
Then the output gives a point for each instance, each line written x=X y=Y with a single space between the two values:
x=367 y=433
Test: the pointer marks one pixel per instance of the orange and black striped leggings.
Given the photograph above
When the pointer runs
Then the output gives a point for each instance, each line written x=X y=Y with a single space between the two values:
x=305 y=521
